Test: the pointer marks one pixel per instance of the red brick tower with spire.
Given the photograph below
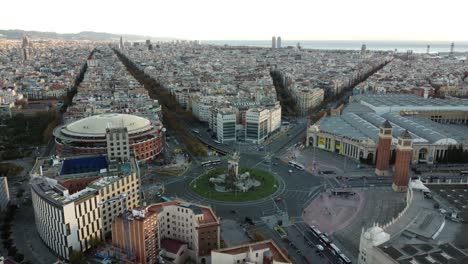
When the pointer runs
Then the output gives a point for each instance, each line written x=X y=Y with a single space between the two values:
x=402 y=163
x=384 y=149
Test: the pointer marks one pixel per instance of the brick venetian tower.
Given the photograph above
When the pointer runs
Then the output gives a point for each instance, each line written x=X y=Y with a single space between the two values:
x=402 y=163
x=384 y=149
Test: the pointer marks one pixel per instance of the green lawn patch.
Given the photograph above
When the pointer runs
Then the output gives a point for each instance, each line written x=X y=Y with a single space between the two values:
x=206 y=189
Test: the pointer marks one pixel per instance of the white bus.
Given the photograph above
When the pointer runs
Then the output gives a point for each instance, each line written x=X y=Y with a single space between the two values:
x=296 y=165
x=210 y=162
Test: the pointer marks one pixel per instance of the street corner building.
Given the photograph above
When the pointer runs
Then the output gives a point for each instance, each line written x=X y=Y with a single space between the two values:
x=70 y=198
x=175 y=231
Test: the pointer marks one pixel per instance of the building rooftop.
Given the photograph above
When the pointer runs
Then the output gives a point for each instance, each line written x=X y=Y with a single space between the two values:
x=97 y=125
x=275 y=251
x=359 y=122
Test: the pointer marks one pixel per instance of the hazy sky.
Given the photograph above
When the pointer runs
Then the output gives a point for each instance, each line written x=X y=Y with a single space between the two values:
x=445 y=20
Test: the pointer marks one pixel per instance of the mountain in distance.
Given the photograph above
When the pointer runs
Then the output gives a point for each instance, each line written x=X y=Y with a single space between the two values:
x=84 y=35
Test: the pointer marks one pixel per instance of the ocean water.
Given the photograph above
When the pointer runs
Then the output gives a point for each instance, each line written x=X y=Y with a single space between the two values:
x=400 y=46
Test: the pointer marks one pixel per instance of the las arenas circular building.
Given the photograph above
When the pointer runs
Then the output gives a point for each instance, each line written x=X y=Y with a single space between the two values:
x=88 y=135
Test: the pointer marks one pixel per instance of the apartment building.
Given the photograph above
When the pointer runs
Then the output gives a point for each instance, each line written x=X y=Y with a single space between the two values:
x=226 y=125
x=76 y=199
x=183 y=230
x=65 y=222
x=307 y=98
x=257 y=125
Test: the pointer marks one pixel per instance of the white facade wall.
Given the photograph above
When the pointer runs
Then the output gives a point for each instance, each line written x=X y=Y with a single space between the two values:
x=179 y=223
x=204 y=112
x=275 y=118
x=109 y=211
x=226 y=119
x=57 y=225
x=89 y=222
x=250 y=256
x=257 y=125
x=4 y=194
x=307 y=98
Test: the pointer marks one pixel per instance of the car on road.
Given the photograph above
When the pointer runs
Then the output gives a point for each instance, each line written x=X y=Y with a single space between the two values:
x=234 y=211
x=290 y=171
x=278 y=199
x=249 y=220
x=319 y=248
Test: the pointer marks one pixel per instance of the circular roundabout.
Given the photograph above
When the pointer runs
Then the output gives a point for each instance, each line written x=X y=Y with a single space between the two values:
x=260 y=184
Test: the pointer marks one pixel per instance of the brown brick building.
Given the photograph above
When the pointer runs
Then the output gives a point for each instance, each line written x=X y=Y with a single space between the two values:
x=384 y=149
x=402 y=163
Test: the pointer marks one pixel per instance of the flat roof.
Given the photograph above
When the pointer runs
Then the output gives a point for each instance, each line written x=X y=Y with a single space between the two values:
x=360 y=122
x=277 y=254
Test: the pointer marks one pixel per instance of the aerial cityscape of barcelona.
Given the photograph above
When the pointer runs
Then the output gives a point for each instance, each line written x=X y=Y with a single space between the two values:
x=234 y=132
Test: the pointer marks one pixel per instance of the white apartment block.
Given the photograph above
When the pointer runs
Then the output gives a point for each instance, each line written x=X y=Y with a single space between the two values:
x=71 y=210
x=306 y=98
x=257 y=123
x=275 y=117
x=65 y=222
x=111 y=188
x=226 y=126
x=201 y=110
x=4 y=194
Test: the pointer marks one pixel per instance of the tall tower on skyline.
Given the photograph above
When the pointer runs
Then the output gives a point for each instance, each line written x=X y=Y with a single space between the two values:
x=402 y=163
x=363 y=49
x=384 y=149
x=273 y=42
x=428 y=49
x=278 y=43
x=25 y=48
x=121 y=44
x=452 y=46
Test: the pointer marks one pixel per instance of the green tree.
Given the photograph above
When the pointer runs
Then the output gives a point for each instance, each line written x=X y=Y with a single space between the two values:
x=18 y=257
x=77 y=257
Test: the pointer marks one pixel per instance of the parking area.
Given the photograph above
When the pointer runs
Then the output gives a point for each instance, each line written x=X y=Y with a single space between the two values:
x=456 y=195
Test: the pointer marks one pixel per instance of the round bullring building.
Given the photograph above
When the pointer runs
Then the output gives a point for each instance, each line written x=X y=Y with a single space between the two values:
x=88 y=136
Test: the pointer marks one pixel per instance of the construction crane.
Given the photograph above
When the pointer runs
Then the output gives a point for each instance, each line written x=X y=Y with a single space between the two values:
x=123 y=198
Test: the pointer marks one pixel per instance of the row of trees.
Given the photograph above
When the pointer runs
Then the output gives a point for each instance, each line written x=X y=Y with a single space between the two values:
x=175 y=117
x=288 y=106
x=7 y=240
x=455 y=154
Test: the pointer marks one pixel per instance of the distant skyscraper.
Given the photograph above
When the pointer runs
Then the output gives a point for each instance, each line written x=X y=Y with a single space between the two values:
x=363 y=49
x=25 y=53
x=121 y=44
x=428 y=49
x=273 y=42
x=25 y=48
x=452 y=46
x=298 y=46
x=25 y=42
x=278 y=43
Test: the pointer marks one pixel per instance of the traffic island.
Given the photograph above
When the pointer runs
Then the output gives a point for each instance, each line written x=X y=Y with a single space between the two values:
x=207 y=187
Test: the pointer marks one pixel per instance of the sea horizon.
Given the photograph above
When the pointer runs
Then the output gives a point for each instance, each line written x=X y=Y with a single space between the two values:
x=375 y=45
